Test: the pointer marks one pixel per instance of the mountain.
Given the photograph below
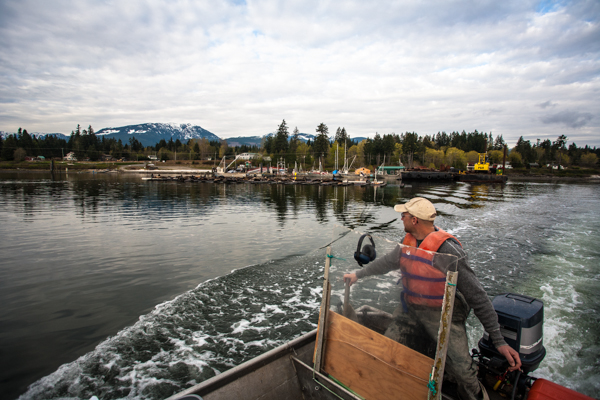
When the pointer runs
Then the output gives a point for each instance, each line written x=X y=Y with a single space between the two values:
x=150 y=134
x=245 y=140
x=4 y=135
x=257 y=140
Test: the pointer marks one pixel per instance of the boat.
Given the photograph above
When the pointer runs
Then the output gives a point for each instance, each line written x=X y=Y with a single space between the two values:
x=391 y=173
x=347 y=357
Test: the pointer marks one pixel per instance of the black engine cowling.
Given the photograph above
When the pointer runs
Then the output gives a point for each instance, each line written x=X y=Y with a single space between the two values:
x=521 y=323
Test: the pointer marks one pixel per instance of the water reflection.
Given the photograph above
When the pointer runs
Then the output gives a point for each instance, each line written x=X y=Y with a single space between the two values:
x=128 y=196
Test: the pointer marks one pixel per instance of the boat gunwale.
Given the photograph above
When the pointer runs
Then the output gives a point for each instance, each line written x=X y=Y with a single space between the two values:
x=222 y=379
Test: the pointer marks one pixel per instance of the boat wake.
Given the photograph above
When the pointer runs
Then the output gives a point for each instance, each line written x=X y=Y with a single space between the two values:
x=218 y=325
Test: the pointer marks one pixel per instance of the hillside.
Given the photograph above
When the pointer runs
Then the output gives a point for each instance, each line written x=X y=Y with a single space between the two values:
x=151 y=133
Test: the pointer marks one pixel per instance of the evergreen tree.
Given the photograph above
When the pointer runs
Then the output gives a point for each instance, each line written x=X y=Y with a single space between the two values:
x=559 y=146
x=294 y=141
x=574 y=153
x=162 y=143
x=442 y=140
x=269 y=144
x=9 y=147
x=410 y=146
x=377 y=149
x=136 y=145
x=388 y=146
x=321 y=145
x=338 y=136
x=281 y=139
x=524 y=148
x=25 y=141
x=342 y=137
x=499 y=143
x=346 y=137
x=546 y=153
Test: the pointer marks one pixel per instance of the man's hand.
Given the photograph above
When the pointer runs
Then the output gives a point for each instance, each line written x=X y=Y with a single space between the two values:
x=350 y=278
x=511 y=356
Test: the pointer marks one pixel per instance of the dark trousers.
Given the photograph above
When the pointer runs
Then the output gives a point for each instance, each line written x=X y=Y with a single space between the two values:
x=418 y=329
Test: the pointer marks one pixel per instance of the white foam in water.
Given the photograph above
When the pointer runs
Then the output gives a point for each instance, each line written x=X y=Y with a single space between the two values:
x=524 y=243
x=544 y=246
x=273 y=308
x=201 y=333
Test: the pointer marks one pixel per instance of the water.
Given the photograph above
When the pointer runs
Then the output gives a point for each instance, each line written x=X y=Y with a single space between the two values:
x=117 y=288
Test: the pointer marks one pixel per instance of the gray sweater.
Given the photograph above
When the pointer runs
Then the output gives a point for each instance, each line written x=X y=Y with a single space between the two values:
x=468 y=285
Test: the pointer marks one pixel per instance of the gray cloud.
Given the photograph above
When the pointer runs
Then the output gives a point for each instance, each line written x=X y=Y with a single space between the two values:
x=572 y=119
x=238 y=68
x=547 y=104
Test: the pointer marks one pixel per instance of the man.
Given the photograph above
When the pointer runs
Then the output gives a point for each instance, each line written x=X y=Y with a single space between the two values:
x=421 y=298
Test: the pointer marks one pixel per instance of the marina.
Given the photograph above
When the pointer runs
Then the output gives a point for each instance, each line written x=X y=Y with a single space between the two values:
x=293 y=178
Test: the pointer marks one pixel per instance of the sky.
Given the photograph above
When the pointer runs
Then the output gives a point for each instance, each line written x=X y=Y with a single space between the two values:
x=238 y=68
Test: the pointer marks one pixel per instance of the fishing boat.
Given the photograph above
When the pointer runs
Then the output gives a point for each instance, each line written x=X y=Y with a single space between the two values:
x=348 y=357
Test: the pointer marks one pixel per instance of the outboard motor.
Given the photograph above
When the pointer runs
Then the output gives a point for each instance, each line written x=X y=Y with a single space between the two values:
x=521 y=323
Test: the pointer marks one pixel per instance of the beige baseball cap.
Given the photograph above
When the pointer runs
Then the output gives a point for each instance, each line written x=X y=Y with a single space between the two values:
x=418 y=207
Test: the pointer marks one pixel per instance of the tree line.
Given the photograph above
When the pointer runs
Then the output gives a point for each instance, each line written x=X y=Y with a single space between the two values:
x=455 y=149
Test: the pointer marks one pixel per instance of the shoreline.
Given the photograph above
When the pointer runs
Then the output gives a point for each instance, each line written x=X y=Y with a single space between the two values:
x=139 y=171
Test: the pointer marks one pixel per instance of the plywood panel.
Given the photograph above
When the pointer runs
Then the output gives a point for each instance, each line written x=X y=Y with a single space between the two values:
x=373 y=365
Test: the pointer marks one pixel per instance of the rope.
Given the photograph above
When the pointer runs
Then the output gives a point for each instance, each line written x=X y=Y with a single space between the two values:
x=431 y=386
x=339 y=258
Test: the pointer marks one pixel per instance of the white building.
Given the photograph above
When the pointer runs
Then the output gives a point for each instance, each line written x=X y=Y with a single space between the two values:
x=247 y=156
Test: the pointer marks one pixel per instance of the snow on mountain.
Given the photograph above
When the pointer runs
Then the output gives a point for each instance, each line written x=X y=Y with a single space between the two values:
x=305 y=137
x=151 y=133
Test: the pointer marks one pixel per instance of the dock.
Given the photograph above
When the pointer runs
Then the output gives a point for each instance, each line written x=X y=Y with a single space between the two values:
x=261 y=179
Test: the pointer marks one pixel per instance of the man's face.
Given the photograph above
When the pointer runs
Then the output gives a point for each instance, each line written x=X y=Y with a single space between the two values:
x=407 y=219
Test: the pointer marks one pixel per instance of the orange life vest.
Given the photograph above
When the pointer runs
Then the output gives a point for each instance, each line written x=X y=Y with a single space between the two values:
x=422 y=283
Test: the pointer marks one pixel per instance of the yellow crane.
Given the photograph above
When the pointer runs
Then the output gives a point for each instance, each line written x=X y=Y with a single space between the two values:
x=483 y=164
